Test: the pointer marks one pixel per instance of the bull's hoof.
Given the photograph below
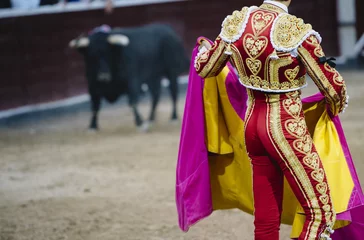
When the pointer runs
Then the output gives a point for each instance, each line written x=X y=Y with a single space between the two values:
x=145 y=127
x=175 y=122
x=92 y=130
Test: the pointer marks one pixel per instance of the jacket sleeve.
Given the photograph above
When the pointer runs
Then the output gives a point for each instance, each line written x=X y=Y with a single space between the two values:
x=323 y=73
x=210 y=62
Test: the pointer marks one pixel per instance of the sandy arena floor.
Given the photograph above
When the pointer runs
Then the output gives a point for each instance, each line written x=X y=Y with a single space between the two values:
x=58 y=181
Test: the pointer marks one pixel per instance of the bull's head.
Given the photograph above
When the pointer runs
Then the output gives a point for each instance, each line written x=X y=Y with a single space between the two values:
x=113 y=39
x=99 y=56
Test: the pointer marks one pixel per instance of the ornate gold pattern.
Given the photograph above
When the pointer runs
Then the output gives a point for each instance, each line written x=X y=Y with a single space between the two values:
x=271 y=7
x=255 y=45
x=289 y=32
x=261 y=21
x=315 y=42
x=254 y=65
x=275 y=84
x=203 y=58
x=257 y=82
x=238 y=61
x=304 y=144
x=323 y=83
x=214 y=62
x=231 y=27
x=291 y=74
x=282 y=145
x=338 y=79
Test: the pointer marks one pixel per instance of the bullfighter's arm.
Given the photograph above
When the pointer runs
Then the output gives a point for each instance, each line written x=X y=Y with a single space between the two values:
x=211 y=59
x=323 y=73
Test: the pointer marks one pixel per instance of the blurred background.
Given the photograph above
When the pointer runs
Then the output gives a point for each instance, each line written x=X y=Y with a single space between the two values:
x=58 y=181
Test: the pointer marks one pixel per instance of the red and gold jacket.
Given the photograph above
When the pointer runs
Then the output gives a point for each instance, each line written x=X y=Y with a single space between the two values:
x=272 y=51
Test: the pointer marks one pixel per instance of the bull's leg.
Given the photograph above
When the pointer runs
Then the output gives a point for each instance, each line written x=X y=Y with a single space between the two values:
x=133 y=102
x=173 y=87
x=155 y=90
x=137 y=118
x=95 y=107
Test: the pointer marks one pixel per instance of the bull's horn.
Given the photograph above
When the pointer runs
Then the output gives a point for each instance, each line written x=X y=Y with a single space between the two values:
x=79 y=43
x=118 y=39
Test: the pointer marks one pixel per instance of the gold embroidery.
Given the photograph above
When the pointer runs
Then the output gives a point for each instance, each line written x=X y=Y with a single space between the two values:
x=261 y=21
x=216 y=58
x=291 y=74
x=327 y=208
x=265 y=84
x=303 y=145
x=292 y=107
x=233 y=24
x=289 y=32
x=297 y=128
x=318 y=175
x=274 y=67
x=338 y=79
x=312 y=160
x=255 y=46
x=254 y=65
x=239 y=64
x=203 y=58
x=321 y=187
x=248 y=81
x=318 y=51
x=294 y=165
x=255 y=81
x=324 y=199
x=271 y=7
x=219 y=65
x=318 y=76
x=250 y=108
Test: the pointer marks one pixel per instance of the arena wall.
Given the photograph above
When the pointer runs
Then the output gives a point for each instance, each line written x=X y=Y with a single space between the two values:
x=37 y=66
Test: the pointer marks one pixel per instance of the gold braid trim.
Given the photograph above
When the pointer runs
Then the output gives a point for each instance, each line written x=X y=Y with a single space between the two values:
x=274 y=67
x=239 y=63
x=297 y=170
x=215 y=62
x=272 y=8
x=320 y=79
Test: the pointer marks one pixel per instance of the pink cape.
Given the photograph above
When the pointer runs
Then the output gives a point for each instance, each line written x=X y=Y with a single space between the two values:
x=193 y=187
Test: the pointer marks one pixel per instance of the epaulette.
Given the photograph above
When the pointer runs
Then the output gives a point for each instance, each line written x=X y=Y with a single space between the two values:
x=234 y=25
x=289 y=32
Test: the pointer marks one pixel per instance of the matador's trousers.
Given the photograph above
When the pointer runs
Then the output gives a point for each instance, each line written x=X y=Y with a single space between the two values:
x=279 y=145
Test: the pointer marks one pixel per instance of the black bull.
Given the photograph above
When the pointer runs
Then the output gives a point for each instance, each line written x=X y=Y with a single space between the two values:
x=121 y=60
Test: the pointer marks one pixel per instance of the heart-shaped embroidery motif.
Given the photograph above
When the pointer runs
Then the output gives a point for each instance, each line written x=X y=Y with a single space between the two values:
x=321 y=188
x=327 y=209
x=318 y=175
x=292 y=107
x=303 y=145
x=319 y=52
x=296 y=127
x=328 y=216
x=254 y=65
x=261 y=20
x=291 y=74
x=255 y=46
x=312 y=160
x=324 y=199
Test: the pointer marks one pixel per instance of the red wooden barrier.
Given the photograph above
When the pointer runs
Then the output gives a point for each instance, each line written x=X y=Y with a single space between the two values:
x=37 y=66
